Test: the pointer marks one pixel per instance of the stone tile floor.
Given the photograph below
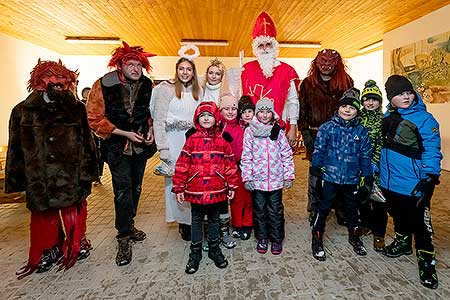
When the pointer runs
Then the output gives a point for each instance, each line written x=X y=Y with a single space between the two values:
x=157 y=269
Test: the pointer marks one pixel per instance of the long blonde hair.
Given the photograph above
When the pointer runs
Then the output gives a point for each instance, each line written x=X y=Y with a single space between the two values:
x=195 y=84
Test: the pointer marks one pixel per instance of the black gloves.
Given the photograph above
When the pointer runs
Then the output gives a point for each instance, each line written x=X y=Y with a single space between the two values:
x=426 y=187
x=316 y=172
x=275 y=132
x=308 y=140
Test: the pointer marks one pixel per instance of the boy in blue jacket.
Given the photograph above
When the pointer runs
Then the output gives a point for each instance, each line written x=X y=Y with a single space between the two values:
x=410 y=166
x=342 y=155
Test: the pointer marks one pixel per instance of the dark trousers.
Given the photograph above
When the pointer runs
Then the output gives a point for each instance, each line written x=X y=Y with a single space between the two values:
x=348 y=194
x=268 y=215
x=198 y=213
x=378 y=218
x=410 y=219
x=127 y=172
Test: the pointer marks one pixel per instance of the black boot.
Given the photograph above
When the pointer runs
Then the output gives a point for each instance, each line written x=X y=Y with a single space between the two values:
x=124 y=251
x=355 y=241
x=400 y=246
x=427 y=270
x=317 y=246
x=226 y=238
x=48 y=259
x=194 y=258
x=216 y=254
x=185 y=231
x=85 y=248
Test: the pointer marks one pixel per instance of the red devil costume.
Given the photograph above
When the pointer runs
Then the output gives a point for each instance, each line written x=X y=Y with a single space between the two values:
x=51 y=156
x=319 y=96
x=278 y=81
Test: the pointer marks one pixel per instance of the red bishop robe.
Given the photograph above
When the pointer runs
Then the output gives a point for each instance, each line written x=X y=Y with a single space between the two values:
x=257 y=86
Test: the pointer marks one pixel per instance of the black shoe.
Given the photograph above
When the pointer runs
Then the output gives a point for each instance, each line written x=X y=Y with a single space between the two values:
x=246 y=234
x=124 y=252
x=355 y=241
x=138 y=235
x=317 y=246
x=48 y=259
x=216 y=255
x=427 y=269
x=194 y=259
x=85 y=249
x=400 y=246
x=226 y=239
x=185 y=231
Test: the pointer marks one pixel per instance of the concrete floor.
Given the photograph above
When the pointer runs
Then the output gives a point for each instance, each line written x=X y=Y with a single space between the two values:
x=157 y=269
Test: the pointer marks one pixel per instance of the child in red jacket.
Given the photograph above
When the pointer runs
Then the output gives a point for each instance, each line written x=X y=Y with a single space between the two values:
x=205 y=176
x=241 y=206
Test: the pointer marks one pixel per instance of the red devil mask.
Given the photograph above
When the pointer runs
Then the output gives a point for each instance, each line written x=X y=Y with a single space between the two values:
x=46 y=72
x=327 y=60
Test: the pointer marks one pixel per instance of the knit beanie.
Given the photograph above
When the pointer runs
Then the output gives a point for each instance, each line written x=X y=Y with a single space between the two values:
x=245 y=103
x=227 y=100
x=264 y=104
x=397 y=84
x=351 y=97
x=371 y=91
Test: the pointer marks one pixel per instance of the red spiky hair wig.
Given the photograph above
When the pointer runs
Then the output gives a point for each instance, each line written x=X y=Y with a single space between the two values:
x=340 y=80
x=122 y=54
x=45 y=68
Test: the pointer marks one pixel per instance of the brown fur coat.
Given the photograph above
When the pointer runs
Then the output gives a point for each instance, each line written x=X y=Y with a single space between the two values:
x=51 y=153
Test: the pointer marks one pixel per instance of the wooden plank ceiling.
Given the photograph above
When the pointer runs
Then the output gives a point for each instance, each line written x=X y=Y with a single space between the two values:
x=159 y=25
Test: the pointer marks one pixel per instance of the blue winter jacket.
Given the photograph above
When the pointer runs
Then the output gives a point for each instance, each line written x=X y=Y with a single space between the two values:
x=342 y=150
x=411 y=147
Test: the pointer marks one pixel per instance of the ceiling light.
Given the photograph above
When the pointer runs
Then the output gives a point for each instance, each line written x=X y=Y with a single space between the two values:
x=371 y=46
x=298 y=45
x=92 y=40
x=205 y=42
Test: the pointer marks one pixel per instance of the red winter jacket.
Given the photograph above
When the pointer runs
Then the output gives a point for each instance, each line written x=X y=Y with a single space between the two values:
x=206 y=168
x=237 y=133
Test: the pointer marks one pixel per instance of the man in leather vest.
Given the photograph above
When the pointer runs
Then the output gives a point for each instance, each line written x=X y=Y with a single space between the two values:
x=118 y=112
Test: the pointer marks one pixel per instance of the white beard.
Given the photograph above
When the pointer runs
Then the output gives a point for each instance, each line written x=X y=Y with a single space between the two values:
x=267 y=61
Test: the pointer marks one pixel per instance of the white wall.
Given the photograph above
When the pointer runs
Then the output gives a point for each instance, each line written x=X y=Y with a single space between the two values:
x=434 y=23
x=365 y=67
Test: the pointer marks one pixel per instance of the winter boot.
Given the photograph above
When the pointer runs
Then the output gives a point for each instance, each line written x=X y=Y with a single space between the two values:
x=226 y=239
x=124 y=251
x=138 y=235
x=378 y=243
x=216 y=254
x=355 y=241
x=48 y=259
x=400 y=246
x=427 y=270
x=317 y=246
x=185 y=231
x=194 y=258
x=262 y=245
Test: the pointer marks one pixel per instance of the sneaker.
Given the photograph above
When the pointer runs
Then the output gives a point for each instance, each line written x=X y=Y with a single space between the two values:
x=48 y=259
x=378 y=244
x=85 y=249
x=358 y=246
x=227 y=241
x=138 y=235
x=276 y=248
x=262 y=246
x=401 y=245
x=236 y=233
x=124 y=251
x=246 y=234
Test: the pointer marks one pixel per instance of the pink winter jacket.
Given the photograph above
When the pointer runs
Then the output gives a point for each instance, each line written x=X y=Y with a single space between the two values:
x=266 y=162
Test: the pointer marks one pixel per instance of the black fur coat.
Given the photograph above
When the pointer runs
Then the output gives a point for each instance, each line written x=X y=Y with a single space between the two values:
x=51 y=153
